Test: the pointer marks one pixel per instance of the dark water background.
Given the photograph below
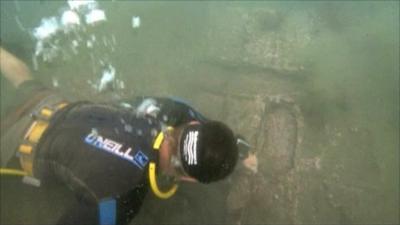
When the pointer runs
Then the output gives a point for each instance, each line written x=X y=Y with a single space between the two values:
x=347 y=169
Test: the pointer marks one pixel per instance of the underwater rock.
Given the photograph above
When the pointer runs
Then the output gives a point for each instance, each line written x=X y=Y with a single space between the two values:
x=268 y=195
x=281 y=138
x=263 y=38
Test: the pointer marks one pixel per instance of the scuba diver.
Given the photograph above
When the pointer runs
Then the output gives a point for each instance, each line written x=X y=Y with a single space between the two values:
x=109 y=155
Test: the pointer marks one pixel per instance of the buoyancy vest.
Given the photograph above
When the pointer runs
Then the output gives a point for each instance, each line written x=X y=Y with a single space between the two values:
x=97 y=150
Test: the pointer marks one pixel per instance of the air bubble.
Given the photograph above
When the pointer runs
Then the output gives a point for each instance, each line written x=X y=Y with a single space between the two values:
x=95 y=16
x=165 y=118
x=135 y=22
x=70 y=18
x=122 y=121
x=128 y=128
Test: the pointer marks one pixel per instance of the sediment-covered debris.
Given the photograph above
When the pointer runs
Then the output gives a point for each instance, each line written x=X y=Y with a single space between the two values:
x=269 y=194
x=264 y=38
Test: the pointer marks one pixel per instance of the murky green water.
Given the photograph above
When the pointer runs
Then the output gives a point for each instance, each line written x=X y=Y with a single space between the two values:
x=338 y=62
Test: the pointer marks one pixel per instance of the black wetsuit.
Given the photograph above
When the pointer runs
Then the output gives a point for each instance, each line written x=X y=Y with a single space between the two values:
x=102 y=153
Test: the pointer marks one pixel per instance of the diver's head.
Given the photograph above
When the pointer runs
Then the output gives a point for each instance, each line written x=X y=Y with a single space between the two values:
x=205 y=152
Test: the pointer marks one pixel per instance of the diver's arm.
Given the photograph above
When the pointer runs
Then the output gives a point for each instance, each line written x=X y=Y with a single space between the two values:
x=170 y=111
x=13 y=69
x=176 y=112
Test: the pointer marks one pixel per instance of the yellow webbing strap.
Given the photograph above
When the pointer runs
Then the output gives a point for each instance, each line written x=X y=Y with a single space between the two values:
x=38 y=127
x=32 y=137
x=152 y=172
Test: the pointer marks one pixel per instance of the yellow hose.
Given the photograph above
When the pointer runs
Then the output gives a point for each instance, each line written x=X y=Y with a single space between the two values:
x=4 y=171
x=154 y=185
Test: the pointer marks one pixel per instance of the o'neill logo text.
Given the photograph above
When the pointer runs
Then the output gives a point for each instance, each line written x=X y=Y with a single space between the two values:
x=115 y=148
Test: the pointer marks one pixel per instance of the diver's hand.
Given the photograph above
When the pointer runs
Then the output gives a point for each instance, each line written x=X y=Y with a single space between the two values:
x=249 y=159
x=243 y=146
x=251 y=162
